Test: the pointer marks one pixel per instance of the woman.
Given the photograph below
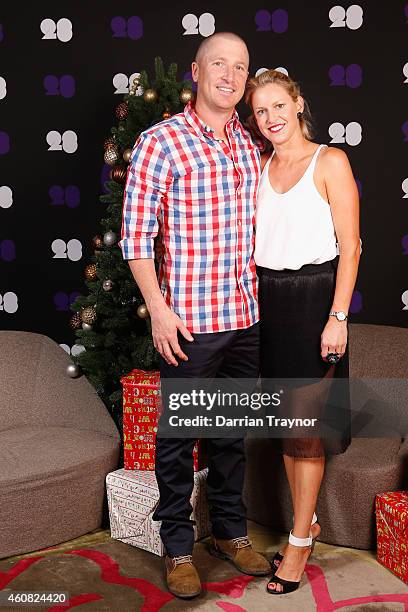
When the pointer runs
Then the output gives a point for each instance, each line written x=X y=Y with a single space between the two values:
x=307 y=213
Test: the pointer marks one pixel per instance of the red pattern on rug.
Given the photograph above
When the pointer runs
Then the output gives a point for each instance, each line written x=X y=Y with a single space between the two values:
x=324 y=602
x=155 y=598
x=78 y=600
x=16 y=570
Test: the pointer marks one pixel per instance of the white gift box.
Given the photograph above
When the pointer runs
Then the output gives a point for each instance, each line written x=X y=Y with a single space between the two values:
x=132 y=498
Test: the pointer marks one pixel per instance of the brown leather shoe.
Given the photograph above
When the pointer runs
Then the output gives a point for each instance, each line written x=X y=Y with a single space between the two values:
x=242 y=555
x=182 y=578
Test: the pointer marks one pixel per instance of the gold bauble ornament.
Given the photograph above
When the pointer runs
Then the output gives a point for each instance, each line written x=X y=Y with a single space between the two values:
x=97 y=242
x=109 y=142
x=111 y=156
x=122 y=111
x=88 y=315
x=142 y=311
x=166 y=115
x=186 y=95
x=118 y=174
x=126 y=155
x=90 y=272
x=75 y=321
x=150 y=95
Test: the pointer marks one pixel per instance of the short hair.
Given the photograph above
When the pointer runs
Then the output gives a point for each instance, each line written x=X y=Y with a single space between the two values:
x=203 y=47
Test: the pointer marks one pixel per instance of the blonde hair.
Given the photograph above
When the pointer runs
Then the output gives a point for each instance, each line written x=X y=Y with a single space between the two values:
x=292 y=88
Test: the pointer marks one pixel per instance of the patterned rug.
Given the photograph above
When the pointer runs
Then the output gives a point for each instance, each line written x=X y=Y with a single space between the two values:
x=105 y=575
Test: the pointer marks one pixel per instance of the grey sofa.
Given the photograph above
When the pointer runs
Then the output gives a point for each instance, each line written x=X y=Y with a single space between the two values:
x=57 y=444
x=369 y=466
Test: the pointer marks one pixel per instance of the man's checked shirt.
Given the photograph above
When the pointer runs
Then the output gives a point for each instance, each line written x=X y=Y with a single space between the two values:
x=203 y=191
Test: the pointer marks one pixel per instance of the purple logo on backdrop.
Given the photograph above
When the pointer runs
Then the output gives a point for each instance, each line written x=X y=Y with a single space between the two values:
x=4 y=143
x=189 y=77
x=60 y=196
x=1 y=32
x=62 y=300
x=404 y=243
x=359 y=187
x=64 y=86
x=405 y=131
x=105 y=177
x=7 y=250
x=277 y=21
x=351 y=76
x=406 y=12
x=356 y=302
x=127 y=28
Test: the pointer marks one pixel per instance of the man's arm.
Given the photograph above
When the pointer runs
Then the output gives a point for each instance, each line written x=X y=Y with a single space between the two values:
x=165 y=323
x=148 y=180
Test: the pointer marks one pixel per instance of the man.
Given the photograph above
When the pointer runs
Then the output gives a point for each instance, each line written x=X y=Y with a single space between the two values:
x=199 y=172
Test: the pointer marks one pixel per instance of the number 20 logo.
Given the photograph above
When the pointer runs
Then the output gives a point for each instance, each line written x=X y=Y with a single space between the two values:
x=204 y=25
x=350 y=134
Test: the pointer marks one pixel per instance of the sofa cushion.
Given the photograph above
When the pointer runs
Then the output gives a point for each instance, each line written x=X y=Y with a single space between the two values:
x=31 y=453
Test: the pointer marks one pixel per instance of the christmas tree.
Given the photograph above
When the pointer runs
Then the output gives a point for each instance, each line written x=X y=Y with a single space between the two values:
x=112 y=321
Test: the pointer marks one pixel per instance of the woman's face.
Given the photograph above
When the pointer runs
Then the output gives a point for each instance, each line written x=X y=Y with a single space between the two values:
x=276 y=113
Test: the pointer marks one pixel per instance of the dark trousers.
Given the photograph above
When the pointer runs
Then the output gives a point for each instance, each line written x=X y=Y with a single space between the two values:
x=231 y=354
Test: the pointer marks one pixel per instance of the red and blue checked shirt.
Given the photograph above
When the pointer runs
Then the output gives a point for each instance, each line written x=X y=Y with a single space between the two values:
x=201 y=193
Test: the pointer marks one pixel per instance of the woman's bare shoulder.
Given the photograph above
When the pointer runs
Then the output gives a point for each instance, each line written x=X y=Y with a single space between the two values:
x=333 y=157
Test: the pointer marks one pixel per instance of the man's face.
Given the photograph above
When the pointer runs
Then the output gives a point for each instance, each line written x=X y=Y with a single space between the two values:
x=221 y=74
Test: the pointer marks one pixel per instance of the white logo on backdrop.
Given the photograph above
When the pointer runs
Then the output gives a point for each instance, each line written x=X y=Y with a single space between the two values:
x=67 y=250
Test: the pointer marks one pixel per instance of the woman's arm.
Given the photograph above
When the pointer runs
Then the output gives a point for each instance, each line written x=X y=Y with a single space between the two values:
x=343 y=198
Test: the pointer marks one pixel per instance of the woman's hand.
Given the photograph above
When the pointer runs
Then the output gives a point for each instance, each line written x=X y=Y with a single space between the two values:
x=334 y=338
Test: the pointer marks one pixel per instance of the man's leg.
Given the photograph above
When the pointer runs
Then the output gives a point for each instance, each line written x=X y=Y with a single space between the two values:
x=174 y=460
x=227 y=466
x=227 y=455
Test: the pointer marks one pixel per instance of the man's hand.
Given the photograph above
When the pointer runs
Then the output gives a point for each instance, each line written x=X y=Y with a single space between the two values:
x=165 y=324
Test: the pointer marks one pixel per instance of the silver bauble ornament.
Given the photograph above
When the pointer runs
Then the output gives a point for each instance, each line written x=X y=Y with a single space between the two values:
x=107 y=285
x=109 y=238
x=111 y=156
x=73 y=370
x=142 y=311
x=86 y=327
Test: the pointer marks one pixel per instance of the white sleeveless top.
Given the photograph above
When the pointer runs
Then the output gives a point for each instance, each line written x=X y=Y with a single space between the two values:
x=293 y=228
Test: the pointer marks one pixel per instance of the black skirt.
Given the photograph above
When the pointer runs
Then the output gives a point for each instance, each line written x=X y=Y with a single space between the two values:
x=294 y=309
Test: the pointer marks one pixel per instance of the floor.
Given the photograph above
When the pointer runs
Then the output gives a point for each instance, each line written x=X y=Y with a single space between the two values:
x=104 y=575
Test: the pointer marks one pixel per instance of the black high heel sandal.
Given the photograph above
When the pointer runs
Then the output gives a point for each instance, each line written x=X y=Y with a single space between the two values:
x=288 y=586
x=278 y=557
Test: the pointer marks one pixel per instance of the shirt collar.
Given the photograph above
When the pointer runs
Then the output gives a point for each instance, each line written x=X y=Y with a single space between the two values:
x=202 y=128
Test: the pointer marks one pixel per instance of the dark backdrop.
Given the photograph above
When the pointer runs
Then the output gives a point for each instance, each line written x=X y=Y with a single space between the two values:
x=351 y=60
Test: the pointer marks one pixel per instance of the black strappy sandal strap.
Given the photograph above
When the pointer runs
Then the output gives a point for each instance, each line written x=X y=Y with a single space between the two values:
x=276 y=557
x=288 y=586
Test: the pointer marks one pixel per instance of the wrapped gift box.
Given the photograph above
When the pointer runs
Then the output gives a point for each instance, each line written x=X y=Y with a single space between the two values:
x=132 y=498
x=141 y=412
x=392 y=532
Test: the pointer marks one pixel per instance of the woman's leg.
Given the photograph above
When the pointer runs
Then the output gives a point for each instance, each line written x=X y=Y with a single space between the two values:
x=307 y=477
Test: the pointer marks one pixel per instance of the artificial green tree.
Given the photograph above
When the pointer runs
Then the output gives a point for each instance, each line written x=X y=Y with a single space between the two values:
x=112 y=322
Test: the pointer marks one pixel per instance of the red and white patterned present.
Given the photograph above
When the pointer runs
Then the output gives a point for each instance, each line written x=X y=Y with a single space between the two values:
x=141 y=412
x=392 y=532
x=132 y=499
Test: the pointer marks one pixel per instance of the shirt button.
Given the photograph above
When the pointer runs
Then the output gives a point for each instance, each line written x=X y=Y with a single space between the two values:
x=239 y=253
x=239 y=222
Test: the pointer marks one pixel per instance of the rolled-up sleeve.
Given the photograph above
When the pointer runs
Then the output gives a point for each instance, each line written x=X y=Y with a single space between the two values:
x=147 y=183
